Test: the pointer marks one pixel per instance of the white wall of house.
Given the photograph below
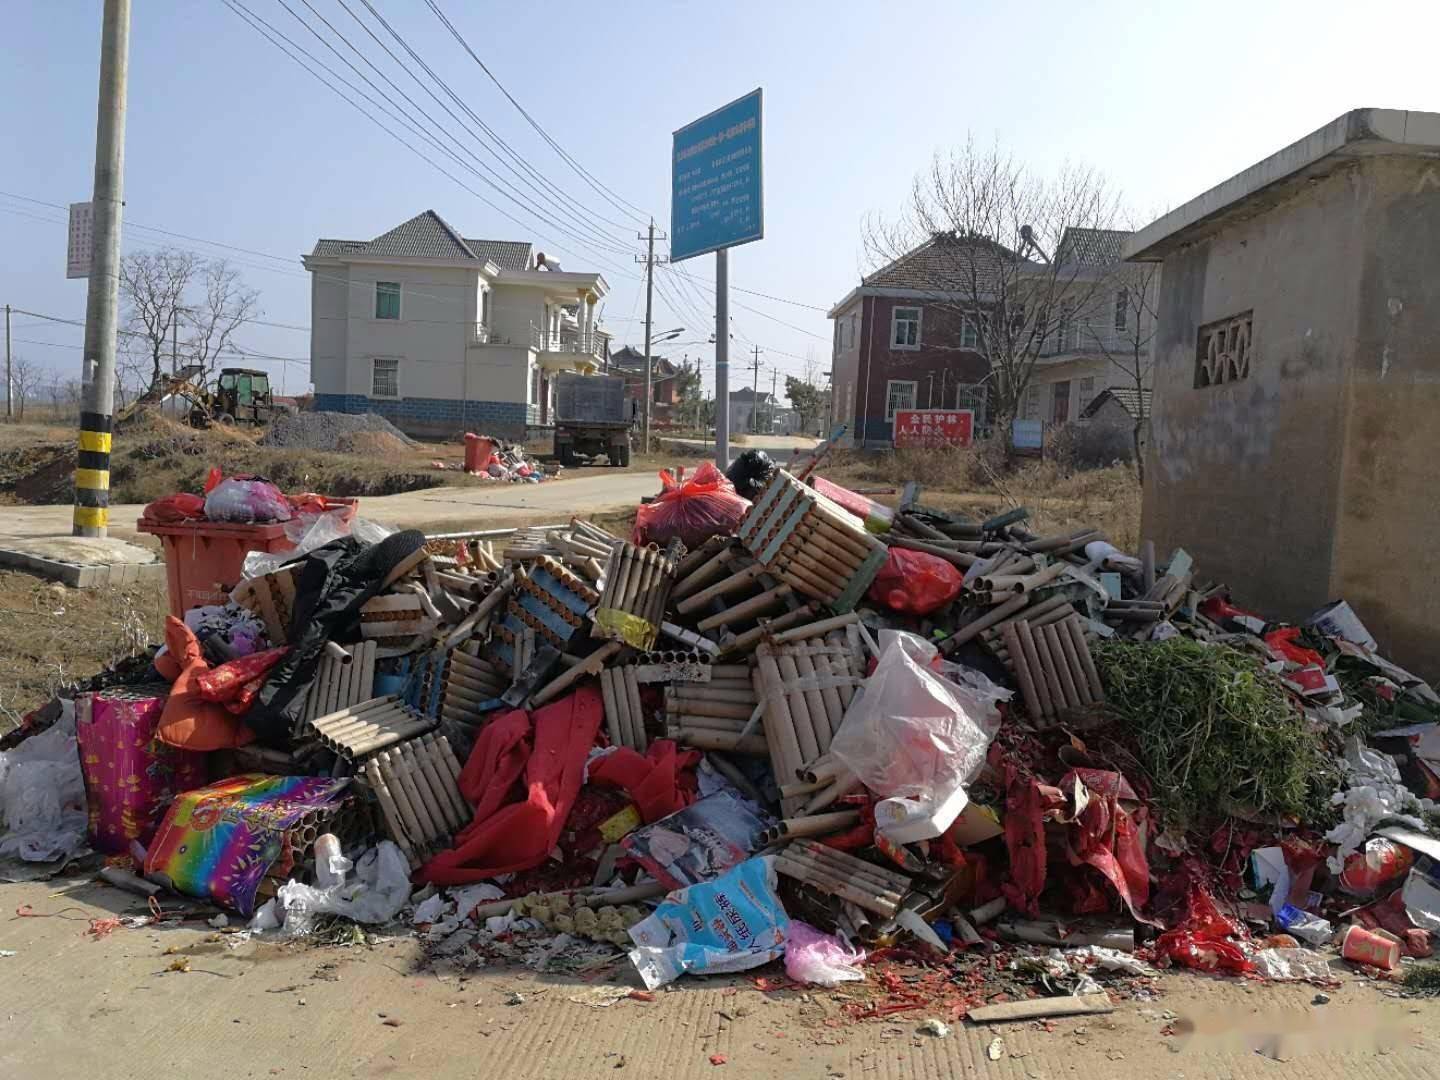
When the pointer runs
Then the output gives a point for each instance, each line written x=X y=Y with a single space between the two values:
x=329 y=329
x=437 y=314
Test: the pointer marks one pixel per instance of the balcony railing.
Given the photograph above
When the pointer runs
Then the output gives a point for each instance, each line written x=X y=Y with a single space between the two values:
x=567 y=341
x=479 y=334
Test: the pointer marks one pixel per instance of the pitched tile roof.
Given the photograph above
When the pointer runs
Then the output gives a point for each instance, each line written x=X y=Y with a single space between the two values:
x=947 y=263
x=506 y=254
x=1127 y=397
x=1091 y=247
x=429 y=236
x=632 y=360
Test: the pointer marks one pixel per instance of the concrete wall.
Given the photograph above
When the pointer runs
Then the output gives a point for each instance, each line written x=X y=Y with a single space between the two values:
x=1245 y=475
x=1387 y=558
x=329 y=323
x=1046 y=374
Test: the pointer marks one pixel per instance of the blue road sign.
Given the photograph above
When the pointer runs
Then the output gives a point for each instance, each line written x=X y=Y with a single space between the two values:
x=717 y=199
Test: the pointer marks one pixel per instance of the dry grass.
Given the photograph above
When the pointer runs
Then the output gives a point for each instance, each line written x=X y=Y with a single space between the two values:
x=979 y=483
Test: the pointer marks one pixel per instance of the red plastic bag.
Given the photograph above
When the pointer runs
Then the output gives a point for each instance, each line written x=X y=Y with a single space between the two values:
x=915 y=583
x=173 y=509
x=1283 y=642
x=706 y=505
x=1202 y=939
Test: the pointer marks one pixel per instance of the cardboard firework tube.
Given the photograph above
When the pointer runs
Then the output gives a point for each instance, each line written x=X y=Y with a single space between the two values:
x=394 y=824
x=451 y=762
x=432 y=803
x=1023 y=674
x=747 y=609
x=1087 y=662
x=659 y=593
x=1031 y=653
x=782 y=722
x=360 y=708
x=495 y=598
x=469 y=695
x=691 y=561
x=723 y=741
x=821 y=769
x=637 y=709
x=1072 y=662
x=401 y=795
x=844 y=784
x=727 y=769
x=827 y=882
x=638 y=583
x=474 y=680
x=750 y=638
x=984 y=622
x=842 y=663
x=588 y=666
x=1078 y=543
x=814 y=562
x=814 y=700
x=706 y=573
x=855 y=866
x=801 y=787
x=956 y=558
x=337 y=653
x=799 y=707
x=616 y=570
x=622 y=707
x=441 y=781
x=612 y=709
x=1062 y=666
x=710 y=723
x=820 y=551
x=806 y=583
x=808 y=856
x=1052 y=543
x=430 y=828
x=815 y=629
x=1036 y=610
x=380 y=740
x=818 y=824
x=829 y=695
x=1064 y=611
x=334 y=675
x=731 y=693
x=350 y=731
x=429 y=781
x=475 y=663
x=738 y=580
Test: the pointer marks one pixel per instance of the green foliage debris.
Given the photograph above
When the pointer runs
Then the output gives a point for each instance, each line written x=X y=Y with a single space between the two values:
x=1216 y=733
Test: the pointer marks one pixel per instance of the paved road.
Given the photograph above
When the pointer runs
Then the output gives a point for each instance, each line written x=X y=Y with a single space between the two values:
x=772 y=444
x=456 y=508
x=76 y=1005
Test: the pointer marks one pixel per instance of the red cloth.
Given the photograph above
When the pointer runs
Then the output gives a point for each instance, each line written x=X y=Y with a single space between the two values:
x=660 y=783
x=546 y=750
x=235 y=684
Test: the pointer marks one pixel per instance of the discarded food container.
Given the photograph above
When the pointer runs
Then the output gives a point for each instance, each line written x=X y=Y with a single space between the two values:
x=1369 y=947
x=203 y=559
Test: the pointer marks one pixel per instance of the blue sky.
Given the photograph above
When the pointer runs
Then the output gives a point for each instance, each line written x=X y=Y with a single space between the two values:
x=229 y=140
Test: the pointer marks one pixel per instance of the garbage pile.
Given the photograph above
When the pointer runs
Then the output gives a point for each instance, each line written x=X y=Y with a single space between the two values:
x=491 y=459
x=805 y=727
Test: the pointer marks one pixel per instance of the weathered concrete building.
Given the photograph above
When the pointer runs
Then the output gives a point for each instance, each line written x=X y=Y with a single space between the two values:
x=1295 y=435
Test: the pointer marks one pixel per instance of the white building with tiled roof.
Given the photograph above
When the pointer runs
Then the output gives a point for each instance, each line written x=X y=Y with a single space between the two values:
x=442 y=334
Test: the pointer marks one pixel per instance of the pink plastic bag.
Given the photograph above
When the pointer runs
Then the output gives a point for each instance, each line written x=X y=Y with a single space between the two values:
x=706 y=505
x=246 y=500
x=814 y=957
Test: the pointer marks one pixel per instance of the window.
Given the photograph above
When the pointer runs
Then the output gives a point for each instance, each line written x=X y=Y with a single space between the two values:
x=385 y=377
x=899 y=394
x=1087 y=395
x=1122 y=309
x=905 y=328
x=387 y=300
x=1030 y=410
x=1065 y=326
x=969 y=334
x=851 y=336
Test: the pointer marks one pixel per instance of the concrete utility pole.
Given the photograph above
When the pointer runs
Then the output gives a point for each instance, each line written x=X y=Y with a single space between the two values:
x=8 y=384
x=755 y=391
x=92 y=472
x=722 y=359
x=649 y=260
x=773 y=402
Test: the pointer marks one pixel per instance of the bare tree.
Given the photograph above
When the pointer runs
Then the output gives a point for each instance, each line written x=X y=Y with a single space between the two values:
x=1128 y=348
x=986 y=238
x=213 y=320
x=25 y=378
x=152 y=287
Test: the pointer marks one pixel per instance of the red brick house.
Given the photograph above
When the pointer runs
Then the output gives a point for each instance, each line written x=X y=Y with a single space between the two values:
x=664 y=383
x=897 y=347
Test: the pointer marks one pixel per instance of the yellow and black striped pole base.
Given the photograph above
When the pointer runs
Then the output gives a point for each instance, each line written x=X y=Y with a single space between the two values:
x=92 y=476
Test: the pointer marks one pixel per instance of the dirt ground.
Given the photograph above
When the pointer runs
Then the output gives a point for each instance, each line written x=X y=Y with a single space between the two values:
x=110 y=1006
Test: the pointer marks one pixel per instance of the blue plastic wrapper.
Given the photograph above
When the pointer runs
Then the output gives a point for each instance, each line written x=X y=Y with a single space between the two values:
x=730 y=924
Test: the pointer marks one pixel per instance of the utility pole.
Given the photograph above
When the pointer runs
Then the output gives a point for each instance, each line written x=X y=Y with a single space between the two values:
x=9 y=386
x=755 y=391
x=773 y=402
x=649 y=260
x=174 y=343
x=92 y=472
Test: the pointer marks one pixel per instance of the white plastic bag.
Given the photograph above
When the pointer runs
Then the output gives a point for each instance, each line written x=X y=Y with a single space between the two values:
x=380 y=889
x=917 y=738
x=43 y=813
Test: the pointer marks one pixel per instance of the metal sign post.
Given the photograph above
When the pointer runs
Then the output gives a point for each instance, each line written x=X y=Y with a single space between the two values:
x=717 y=202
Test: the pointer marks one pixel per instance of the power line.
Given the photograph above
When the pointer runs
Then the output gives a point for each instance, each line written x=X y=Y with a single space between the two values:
x=610 y=196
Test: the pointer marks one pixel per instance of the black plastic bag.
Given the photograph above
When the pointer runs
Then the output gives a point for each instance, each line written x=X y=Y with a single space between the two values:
x=750 y=472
